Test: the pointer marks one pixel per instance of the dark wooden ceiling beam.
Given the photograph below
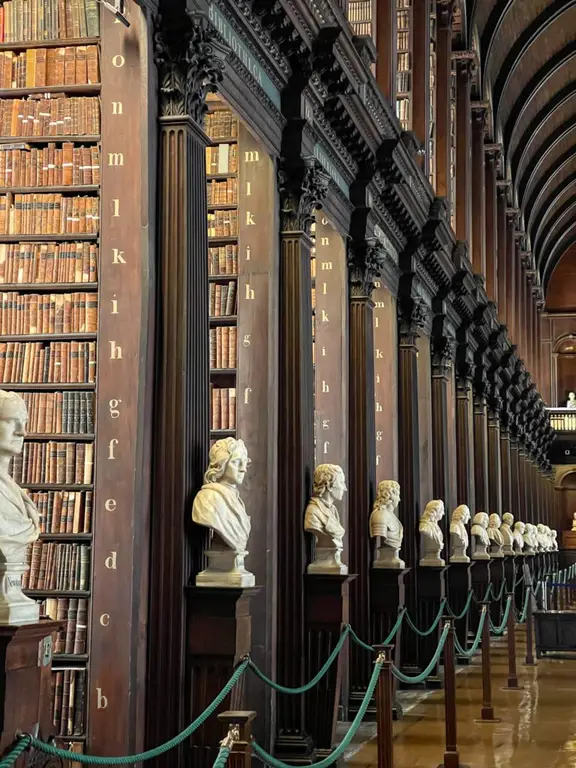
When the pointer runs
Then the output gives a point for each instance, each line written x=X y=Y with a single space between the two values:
x=549 y=260
x=529 y=36
x=490 y=31
x=550 y=224
x=549 y=206
x=549 y=175
x=536 y=82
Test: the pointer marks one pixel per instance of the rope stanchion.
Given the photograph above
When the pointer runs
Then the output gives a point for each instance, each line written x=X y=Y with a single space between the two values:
x=529 y=658
x=451 y=756
x=487 y=711
x=239 y=726
x=20 y=747
x=459 y=616
x=502 y=628
x=384 y=708
x=417 y=679
x=386 y=641
x=512 y=683
x=432 y=627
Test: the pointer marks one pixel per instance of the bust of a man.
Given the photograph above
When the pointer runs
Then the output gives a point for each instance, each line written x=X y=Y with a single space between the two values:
x=494 y=535
x=218 y=506
x=385 y=524
x=519 y=529
x=431 y=536
x=506 y=529
x=19 y=519
x=554 y=541
x=322 y=519
x=541 y=537
x=459 y=534
x=480 y=540
x=530 y=543
x=571 y=402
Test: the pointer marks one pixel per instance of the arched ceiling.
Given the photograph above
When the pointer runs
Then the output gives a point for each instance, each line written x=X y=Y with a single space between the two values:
x=528 y=63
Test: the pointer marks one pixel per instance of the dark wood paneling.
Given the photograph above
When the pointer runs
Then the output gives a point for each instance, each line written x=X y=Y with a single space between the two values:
x=478 y=190
x=508 y=505
x=425 y=418
x=386 y=49
x=421 y=73
x=386 y=383
x=118 y=679
x=464 y=153
x=444 y=68
x=492 y=231
x=481 y=455
x=494 y=466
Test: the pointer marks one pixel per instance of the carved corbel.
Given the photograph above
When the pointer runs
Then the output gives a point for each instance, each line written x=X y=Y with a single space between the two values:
x=413 y=317
x=366 y=264
x=302 y=190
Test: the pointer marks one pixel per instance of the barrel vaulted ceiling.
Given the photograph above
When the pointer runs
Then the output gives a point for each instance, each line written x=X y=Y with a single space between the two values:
x=527 y=53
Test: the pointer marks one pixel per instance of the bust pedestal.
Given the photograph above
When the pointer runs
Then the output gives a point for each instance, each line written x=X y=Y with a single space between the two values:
x=218 y=635
x=26 y=681
x=480 y=581
x=459 y=578
x=326 y=607
x=431 y=592
x=497 y=578
x=387 y=596
x=15 y=607
x=225 y=569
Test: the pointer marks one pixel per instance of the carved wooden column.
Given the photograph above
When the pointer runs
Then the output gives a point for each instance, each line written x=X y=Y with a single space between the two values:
x=386 y=49
x=421 y=74
x=494 y=457
x=444 y=12
x=189 y=65
x=506 y=468
x=481 y=488
x=465 y=432
x=510 y=297
x=501 y=259
x=366 y=261
x=478 y=184
x=302 y=188
x=464 y=61
x=492 y=154
x=523 y=496
x=412 y=319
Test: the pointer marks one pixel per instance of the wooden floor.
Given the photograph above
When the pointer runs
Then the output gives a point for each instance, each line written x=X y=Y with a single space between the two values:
x=537 y=728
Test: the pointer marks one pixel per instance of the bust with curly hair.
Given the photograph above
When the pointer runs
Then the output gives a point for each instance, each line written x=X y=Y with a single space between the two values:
x=322 y=519
x=431 y=536
x=385 y=524
x=459 y=534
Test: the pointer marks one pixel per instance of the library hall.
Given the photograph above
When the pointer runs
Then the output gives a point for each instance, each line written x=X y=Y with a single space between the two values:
x=288 y=383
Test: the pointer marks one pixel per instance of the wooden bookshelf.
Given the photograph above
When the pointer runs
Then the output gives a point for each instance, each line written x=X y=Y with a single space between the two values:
x=432 y=130
x=65 y=545
x=361 y=17
x=404 y=63
x=453 y=149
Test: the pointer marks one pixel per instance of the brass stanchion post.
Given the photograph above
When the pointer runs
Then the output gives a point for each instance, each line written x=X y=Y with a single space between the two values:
x=487 y=712
x=240 y=725
x=384 y=706
x=512 y=684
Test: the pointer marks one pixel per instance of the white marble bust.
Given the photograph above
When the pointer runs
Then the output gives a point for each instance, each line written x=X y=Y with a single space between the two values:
x=530 y=543
x=506 y=529
x=431 y=536
x=480 y=540
x=322 y=519
x=496 y=538
x=518 y=542
x=541 y=537
x=219 y=507
x=554 y=541
x=385 y=524
x=571 y=402
x=459 y=534
x=19 y=520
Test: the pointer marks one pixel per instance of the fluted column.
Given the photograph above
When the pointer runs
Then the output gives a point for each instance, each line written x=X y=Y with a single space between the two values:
x=494 y=464
x=481 y=489
x=501 y=270
x=301 y=190
x=465 y=439
x=506 y=469
x=444 y=10
x=478 y=184
x=464 y=65
x=492 y=153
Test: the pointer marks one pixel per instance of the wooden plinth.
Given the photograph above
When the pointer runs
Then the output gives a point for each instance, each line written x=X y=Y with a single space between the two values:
x=218 y=635
x=387 y=596
x=480 y=581
x=458 y=586
x=431 y=592
x=26 y=681
x=327 y=610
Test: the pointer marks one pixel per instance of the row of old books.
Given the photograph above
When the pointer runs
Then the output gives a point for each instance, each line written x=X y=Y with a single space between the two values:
x=359 y=10
x=403 y=82
x=222 y=299
x=41 y=67
x=72 y=613
x=54 y=463
x=57 y=362
x=48 y=262
x=50 y=166
x=56 y=116
x=223 y=408
x=403 y=111
x=55 y=413
x=69 y=703
x=221 y=124
x=64 y=511
x=223 y=223
x=223 y=347
x=222 y=159
x=48 y=214
x=54 y=565
x=222 y=192
x=23 y=314
x=36 y=20
x=223 y=260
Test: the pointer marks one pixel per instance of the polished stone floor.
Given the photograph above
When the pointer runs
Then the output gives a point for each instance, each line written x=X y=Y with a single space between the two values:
x=537 y=728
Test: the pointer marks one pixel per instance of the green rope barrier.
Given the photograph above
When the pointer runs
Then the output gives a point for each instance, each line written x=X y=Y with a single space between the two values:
x=387 y=640
x=501 y=594
x=435 y=623
x=222 y=757
x=270 y=760
x=474 y=647
x=21 y=746
x=416 y=679
x=360 y=642
x=465 y=610
x=317 y=677
x=500 y=630
x=521 y=618
x=151 y=753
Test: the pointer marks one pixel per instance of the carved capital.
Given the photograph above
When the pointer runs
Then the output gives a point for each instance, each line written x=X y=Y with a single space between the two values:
x=445 y=13
x=413 y=316
x=479 y=110
x=466 y=62
x=302 y=190
x=366 y=263
x=443 y=353
x=190 y=63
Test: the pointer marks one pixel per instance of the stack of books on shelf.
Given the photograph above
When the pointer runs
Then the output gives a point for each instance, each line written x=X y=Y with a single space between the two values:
x=64 y=511
x=360 y=17
x=57 y=362
x=220 y=223
x=221 y=124
x=53 y=116
x=24 y=314
x=223 y=347
x=222 y=299
x=54 y=413
x=42 y=214
x=47 y=67
x=50 y=166
x=69 y=705
x=73 y=614
x=223 y=408
x=48 y=20
x=222 y=192
x=48 y=262
x=222 y=159
x=223 y=260
x=54 y=463
x=57 y=566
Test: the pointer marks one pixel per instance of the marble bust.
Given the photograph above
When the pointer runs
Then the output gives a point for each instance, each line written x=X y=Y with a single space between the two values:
x=19 y=519
x=541 y=537
x=554 y=541
x=218 y=506
x=322 y=519
x=480 y=540
x=530 y=543
x=385 y=524
x=459 y=535
x=431 y=536
x=571 y=402
x=518 y=541
x=495 y=537
x=506 y=529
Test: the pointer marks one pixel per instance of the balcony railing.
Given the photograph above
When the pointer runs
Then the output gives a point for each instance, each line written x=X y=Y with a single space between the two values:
x=563 y=419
